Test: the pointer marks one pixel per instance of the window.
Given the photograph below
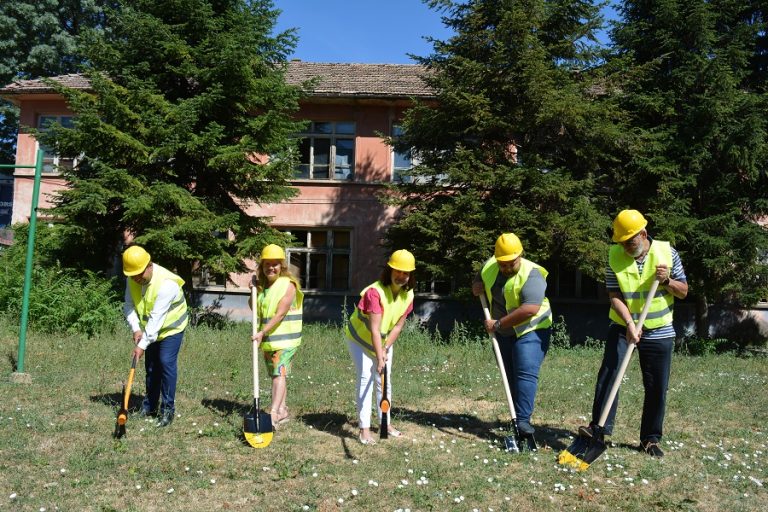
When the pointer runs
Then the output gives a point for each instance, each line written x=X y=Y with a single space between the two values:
x=567 y=283
x=327 y=151
x=433 y=286
x=402 y=162
x=202 y=277
x=51 y=160
x=320 y=258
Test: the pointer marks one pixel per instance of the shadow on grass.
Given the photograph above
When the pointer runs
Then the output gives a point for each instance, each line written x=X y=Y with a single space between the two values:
x=226 y=408
x=332 y=423
x=115 y=401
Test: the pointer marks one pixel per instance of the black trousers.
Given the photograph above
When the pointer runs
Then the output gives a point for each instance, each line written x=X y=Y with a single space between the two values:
x=655 y=362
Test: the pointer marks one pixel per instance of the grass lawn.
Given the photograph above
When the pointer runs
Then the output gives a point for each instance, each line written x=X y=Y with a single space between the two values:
x=57 y=453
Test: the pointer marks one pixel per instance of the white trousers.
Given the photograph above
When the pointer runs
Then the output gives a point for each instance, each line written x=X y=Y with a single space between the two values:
x=366 y=376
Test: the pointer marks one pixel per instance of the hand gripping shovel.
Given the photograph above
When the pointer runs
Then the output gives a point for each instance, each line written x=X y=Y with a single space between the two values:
x=257 y=425
x=586 y=449
x=122 y=414
x=384 y=406
x=517 y=442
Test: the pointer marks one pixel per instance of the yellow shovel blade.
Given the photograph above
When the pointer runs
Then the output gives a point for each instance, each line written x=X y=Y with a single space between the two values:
x=258 y=439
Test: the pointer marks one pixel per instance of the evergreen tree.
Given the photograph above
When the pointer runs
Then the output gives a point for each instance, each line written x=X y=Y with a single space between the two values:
x=518 y=139
x=697 y=101
x=186 y=94
x=38 y=38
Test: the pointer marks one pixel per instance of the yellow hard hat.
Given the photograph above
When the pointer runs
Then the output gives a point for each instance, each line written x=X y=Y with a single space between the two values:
x=508 y=247
x=402 y=260
x=272 y=252
x=135 y=260
x=627 y=224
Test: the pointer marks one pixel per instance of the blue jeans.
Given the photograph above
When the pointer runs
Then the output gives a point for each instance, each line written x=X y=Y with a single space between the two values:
x=160 y=364
x=655 y=363
x=522 y=360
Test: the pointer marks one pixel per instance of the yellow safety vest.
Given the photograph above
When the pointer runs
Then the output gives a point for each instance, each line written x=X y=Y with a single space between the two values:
x=286 y=334
x=359 y=325
x=512 y=288
x=635 y=286
x=176 y=319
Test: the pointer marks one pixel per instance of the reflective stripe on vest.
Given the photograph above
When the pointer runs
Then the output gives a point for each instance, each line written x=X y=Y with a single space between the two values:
x=359 y=325
x=635 y=287
x=512 y=288
x=177 y=318
x=286 y=334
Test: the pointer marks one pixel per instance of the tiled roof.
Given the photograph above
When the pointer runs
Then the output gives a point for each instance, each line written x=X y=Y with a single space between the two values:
x=361 y=80
x=335 y=80
x=38 y=86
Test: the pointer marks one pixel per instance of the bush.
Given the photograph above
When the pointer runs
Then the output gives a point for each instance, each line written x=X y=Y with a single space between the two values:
x=76 y=302
x=699 y=346
x=560 y=337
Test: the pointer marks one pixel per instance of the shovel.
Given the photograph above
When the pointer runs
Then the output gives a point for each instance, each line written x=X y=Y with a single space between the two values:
x=122 y=414
x=384 y=406
x=586 y=449
x=516 y=442
x=257 y=425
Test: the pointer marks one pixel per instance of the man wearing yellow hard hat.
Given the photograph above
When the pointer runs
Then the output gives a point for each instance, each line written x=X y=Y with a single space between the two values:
x=281 y=309
x=156 y=310
x=521 y=319
x=372 y=330
x=634 y=262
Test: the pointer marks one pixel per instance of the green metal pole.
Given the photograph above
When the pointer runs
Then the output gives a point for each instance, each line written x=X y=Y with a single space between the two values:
x=28 y=267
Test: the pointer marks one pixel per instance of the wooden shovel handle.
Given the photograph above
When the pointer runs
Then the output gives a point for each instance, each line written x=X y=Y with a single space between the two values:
x=499 y=360
x=627 y=356
x=128 y=384
x=254 y=330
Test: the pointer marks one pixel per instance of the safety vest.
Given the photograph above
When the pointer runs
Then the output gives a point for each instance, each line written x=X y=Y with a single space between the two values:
x=286 y=334
x=359 y=325
x=512 y=288
x=635 y=286
x=176 y=319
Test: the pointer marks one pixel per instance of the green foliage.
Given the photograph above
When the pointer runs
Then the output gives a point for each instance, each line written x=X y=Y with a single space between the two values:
x=704 y=346
x=516 y=141
x=182 y=94
x=560 y=337
x=60 y=300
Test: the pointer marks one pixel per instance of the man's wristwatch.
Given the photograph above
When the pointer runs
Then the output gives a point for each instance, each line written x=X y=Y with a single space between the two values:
x=497 y=325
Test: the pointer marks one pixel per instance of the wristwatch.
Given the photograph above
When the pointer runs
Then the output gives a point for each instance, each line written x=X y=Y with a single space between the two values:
x=497 y=325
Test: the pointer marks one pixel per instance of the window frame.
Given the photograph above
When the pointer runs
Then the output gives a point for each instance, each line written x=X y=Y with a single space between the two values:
x=52 y=160
x=311 y=135
x=328 y=250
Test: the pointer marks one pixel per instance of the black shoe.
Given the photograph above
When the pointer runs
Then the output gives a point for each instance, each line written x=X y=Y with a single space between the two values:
x=525 y=428
x=652 y=448
x=166 y=419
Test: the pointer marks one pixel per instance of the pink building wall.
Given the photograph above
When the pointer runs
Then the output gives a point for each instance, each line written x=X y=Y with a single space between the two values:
x=349 y=205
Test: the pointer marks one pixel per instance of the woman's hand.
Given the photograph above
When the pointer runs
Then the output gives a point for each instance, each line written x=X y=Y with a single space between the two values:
x=258 y=337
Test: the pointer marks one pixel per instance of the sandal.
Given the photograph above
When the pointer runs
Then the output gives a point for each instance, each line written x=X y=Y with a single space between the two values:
x=394 y=432
x=365 y=441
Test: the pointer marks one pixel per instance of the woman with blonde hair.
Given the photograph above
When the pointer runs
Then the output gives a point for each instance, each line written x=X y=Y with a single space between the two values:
x=280 y=307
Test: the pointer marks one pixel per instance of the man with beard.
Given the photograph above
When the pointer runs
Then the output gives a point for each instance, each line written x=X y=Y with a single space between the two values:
x=521 y=319
x=156 y=310
x=634 y=262
x=372 y=330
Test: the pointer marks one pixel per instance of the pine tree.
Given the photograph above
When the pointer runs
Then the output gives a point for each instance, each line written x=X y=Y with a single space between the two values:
x=185 y=95
x=518 y=139
x=697 y=101
x=38 y=38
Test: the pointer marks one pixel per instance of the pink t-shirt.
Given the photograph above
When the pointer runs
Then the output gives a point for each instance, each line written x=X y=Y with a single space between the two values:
x=370 y=302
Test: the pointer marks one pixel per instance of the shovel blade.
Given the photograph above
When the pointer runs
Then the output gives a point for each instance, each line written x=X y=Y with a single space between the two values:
x=583 y=451
x=527 y=443
x=510 y=444
x=257 y=429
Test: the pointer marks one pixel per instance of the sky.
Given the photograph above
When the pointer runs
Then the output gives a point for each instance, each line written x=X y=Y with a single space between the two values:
x=361 y=31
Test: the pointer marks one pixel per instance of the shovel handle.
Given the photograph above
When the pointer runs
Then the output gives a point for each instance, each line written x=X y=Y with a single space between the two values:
x=627 y=356
x=254 y=330
x=129 y=383
x=499 y=361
